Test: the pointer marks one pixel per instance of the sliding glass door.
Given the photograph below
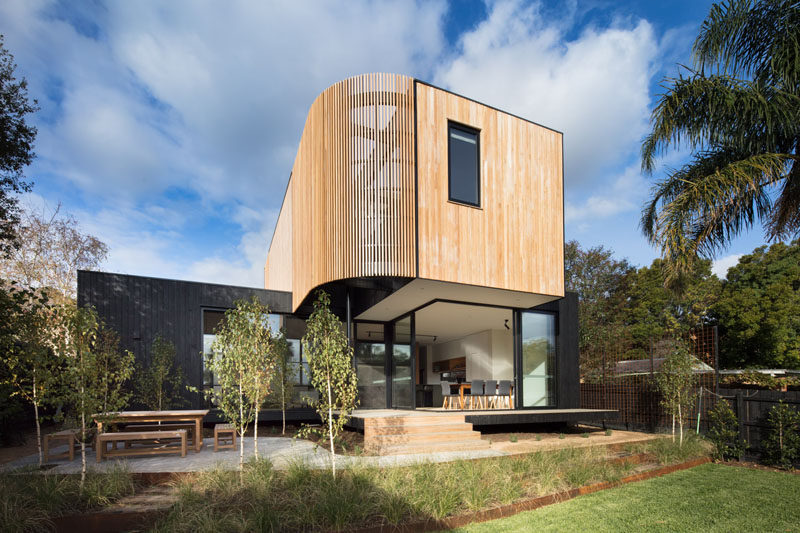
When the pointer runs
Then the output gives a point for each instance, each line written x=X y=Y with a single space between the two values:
x=538 y=369
x=402 y=371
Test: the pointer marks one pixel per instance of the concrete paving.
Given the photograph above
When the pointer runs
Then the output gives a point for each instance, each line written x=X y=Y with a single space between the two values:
x=281 y=451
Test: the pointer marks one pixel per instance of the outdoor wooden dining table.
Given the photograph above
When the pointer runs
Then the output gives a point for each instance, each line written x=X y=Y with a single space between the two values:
x=124 y=417
x=468 y=387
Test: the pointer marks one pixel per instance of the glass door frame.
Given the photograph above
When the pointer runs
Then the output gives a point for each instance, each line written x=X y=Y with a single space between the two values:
x=518 y=358
x=412 y=342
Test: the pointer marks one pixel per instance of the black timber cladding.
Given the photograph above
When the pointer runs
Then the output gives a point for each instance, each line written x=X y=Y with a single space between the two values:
x=141 y=308
x=568 y=386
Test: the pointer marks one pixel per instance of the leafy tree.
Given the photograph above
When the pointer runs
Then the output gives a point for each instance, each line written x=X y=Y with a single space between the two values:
x=241 y=360
x=759 y=309
x=738 y=109
x=782 y=442
x=724 y=432
x=675 y=380
x=16 y=146
x=30 y=369
x=52 y=248
x=652 y=311
x=113 y=370
x=92 y=387
x=159 y=384
x=284 y=377
x=330 y=363
x=599 y=280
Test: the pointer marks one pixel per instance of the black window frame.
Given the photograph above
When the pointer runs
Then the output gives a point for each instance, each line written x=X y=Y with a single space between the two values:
x=451 y=124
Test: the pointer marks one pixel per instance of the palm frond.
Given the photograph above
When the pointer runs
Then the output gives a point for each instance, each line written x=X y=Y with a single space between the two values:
x=719 y=110
x=752 y=38
x=702 y=206
x=784 y=221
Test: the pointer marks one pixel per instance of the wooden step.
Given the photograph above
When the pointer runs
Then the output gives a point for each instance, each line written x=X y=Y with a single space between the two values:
x=433 y=447
x=444 y=436
x=400 y=429
x=411 y=421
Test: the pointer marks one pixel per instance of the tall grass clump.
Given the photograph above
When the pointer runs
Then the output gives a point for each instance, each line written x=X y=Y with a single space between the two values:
x=29 y=501
x=302 y=498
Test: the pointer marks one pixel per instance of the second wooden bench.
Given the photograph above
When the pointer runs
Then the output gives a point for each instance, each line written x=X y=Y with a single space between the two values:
x=147 y=436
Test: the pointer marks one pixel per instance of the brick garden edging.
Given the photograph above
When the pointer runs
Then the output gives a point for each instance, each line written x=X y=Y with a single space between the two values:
x=527 y=505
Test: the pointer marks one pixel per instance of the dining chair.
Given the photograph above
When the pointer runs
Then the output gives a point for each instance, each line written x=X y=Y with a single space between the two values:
x=447 y=395
x=490 y=390
x=475 y=392
x=504 y=392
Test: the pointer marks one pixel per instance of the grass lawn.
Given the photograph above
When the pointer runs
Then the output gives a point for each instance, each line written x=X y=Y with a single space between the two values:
x=706 y=498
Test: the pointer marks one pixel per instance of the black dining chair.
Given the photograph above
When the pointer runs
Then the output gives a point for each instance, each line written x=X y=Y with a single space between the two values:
x=504 y=392
x=447 y=395
x=475 y=392
x=490 y=391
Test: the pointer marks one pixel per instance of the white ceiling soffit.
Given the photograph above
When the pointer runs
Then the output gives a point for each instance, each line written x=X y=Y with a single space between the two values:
x=422 y=291
x=443 y=322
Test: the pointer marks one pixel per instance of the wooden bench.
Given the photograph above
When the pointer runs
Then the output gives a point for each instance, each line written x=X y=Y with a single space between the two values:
x=68 y=437
x=224 y=432
x=168 y=426
x=129 y=438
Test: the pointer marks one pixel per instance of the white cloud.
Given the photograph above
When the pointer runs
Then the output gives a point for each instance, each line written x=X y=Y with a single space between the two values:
x=158 y=115
x=594 y=87
x=624 y=194
x=720 y=266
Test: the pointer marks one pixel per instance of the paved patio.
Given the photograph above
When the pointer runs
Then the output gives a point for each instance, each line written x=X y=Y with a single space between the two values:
x=281 y=451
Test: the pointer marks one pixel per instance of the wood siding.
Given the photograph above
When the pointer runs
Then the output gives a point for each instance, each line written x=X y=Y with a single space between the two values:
x=278 y=270
x=515 y=239
x=352 y=185
x=140 y=308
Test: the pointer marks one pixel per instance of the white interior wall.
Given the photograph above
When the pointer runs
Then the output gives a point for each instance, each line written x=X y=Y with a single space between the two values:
x=489 y=355
x=502 y=354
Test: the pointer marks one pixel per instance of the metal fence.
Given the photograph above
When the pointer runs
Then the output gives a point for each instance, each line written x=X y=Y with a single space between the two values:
x=622 y=376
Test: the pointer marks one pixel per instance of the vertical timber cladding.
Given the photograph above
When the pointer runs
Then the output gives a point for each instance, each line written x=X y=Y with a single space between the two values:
x=278 y=270
x=352 y=185
x=515 y=239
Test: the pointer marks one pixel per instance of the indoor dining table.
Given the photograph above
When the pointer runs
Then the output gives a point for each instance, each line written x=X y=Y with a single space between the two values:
x=466 y=386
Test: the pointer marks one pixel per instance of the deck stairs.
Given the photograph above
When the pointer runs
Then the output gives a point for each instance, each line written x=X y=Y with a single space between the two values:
x=397 y=435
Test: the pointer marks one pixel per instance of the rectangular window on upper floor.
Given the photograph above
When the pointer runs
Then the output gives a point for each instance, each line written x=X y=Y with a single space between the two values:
x=463 y=155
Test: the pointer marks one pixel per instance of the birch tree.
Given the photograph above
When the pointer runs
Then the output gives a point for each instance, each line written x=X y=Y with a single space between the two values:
x=93 y=385
x=330 y=362
x=675 y=381
x=159 y=383
x=30 y=368
x=241 y=361
x=284 y=376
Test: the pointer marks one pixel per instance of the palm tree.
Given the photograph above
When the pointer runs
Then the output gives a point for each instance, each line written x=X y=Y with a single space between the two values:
x=738 y=109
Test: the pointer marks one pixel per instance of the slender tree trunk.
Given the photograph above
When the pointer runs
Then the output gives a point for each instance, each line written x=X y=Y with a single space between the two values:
x=241 y=425
x=283 y=402
x=38 y=425
x=330 y=429
x=255 y=426
x=673 y=427
x=680 y=423
x=83 y=437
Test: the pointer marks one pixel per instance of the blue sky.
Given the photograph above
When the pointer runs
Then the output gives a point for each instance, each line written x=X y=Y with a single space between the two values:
x=168 y=129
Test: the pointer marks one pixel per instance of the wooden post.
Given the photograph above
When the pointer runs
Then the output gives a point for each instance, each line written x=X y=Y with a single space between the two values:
x=740 y=414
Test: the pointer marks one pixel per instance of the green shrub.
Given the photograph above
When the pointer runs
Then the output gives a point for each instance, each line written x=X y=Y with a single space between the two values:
x=608 y=432
x=512 y=437
x=585 y=435
x=724 y=432
x=782 y=442
x=562 y=436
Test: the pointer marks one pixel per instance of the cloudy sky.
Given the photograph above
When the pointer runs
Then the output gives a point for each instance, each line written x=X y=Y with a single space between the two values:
x=169 y=128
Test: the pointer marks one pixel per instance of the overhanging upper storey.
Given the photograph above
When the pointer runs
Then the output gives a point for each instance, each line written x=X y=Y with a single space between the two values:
x=396 y=178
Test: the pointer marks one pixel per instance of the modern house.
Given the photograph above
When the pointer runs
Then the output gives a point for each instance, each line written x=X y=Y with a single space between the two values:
x=435 y=223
